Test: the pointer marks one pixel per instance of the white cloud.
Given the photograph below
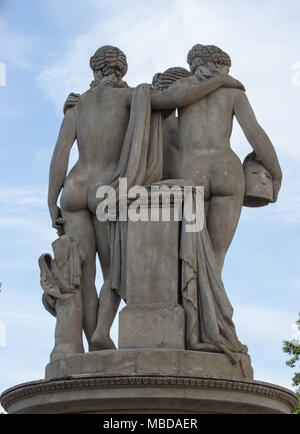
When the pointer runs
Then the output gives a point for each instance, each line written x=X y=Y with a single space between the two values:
x=151 y=38
x=25 y=209
x=16 y=48
x=156 y=35
x=25 y=227
x=24 y=357
x=274 y=377
x=30 y=196
x=263 y=329
x=287 y=210
x=263 y=323
x=159 y=34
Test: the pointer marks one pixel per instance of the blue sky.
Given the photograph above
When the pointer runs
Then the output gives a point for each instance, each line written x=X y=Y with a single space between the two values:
x=45 y=46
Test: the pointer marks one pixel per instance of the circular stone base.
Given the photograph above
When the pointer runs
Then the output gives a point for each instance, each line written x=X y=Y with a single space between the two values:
x=152 y=394
x=150 y=362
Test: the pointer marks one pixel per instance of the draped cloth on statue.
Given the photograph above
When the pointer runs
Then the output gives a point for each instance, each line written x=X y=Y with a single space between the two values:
x=141 y=160
x=202 y=286
x=141 y=163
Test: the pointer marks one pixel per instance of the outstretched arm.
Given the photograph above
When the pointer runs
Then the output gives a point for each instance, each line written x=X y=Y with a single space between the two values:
x=258 y=139
x=189 y=90
x=59 y=163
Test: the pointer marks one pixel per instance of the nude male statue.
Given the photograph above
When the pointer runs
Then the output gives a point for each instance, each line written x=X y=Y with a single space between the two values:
x=206 y=156
x=99 y=122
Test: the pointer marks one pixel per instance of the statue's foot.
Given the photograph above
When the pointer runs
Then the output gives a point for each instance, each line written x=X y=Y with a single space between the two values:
x=208 y=348
x=101 y=342
x=64 y=350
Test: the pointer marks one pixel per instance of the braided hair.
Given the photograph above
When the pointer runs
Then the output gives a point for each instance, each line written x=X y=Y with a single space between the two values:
x=202 y=55
x=110 y=62
x=162 y=81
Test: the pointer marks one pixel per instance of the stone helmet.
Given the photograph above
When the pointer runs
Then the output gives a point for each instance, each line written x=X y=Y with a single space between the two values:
x=258 y=183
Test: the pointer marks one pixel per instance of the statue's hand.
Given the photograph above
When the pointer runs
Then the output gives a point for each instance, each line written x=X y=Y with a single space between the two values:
x=71 y=101
x=204 y=73
x=232 y=82
x=276 y=189
x=57 y=220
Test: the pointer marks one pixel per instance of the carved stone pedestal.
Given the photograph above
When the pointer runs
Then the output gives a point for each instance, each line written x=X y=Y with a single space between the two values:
x=152 y=326
x=149 y=382
x=152 y=317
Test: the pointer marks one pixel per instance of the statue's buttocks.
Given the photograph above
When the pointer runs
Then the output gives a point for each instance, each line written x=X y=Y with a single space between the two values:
x=102 y=117
x=207 y=158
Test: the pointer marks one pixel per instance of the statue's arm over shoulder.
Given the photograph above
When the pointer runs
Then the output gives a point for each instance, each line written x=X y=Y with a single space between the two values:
x=187 y=91
x=258 y=138
x=184 y=92
x=60 y=160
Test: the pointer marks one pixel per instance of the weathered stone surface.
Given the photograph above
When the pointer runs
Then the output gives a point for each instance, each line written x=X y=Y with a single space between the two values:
x=153 y=317
x=152 y=262
x=146 y=362
x=148 y=394
x=60 y=280
x=152 y=326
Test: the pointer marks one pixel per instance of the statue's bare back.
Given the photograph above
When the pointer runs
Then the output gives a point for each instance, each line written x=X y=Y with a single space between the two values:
x=102 y=117
x=206 y=156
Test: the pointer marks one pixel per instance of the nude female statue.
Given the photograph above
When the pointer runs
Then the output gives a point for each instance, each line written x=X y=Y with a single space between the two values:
x=99 y=122
x=199 y=140
x=206 y=156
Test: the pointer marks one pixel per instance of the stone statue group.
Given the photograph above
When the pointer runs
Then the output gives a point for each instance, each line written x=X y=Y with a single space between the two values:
x=177 y=128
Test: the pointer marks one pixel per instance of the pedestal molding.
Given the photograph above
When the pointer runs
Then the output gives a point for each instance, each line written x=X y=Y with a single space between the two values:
x=73 y=384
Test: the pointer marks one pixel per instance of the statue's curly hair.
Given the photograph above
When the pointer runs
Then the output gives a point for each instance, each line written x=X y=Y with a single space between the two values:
x=201 y=55
x=252 y=159
x=108 y=61
x=162 y=81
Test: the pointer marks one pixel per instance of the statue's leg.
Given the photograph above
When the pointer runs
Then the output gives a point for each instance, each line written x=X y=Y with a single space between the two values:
x=109 y=301
x=79 y=226
x=222 y=220
x=227 y=188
